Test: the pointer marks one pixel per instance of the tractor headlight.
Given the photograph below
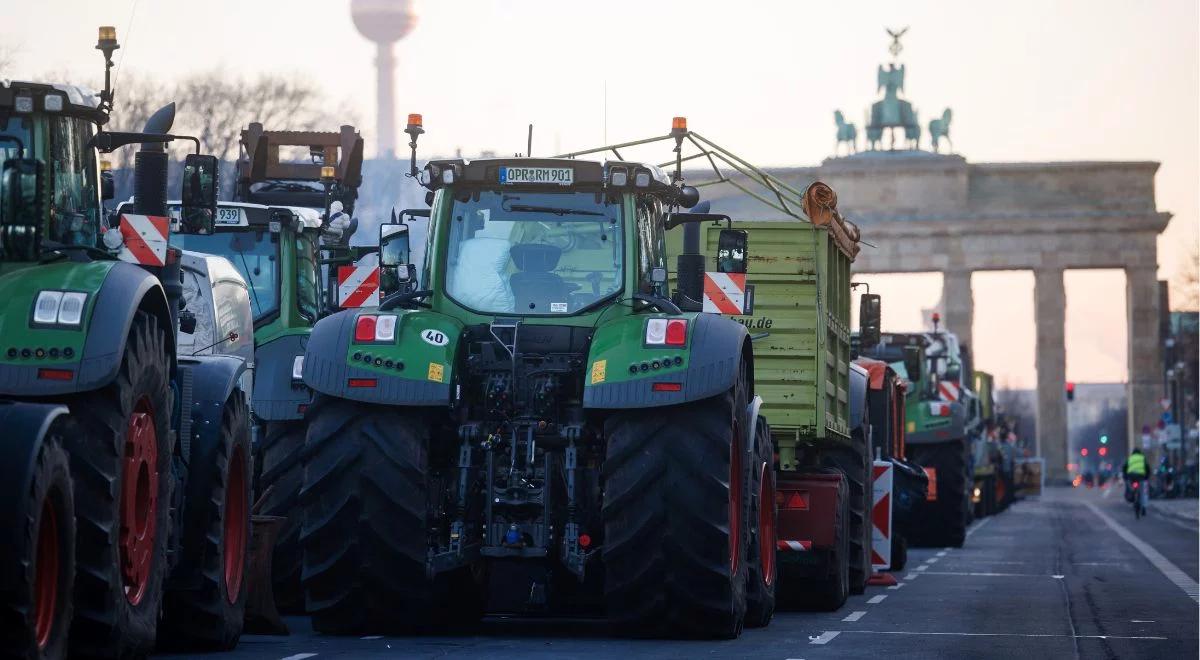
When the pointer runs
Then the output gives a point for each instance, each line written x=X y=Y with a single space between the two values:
x=59 y=308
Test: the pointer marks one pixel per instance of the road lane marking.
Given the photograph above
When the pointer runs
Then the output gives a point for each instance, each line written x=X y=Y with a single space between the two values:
x=983 y=574
x=923 y=567
x=1164 y=566
x=299 y=656
x=981 y=634
x=875 y=600
x=932 y=560
x=911 y=576
x=896 y=586
x=372 y=637
x=1140 y=621
x=942 y=553
x=855 y=616
x=975 y=528
x=824 y=638
x=1174 y=521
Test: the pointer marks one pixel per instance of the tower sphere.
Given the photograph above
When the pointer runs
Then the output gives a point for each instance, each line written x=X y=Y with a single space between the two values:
x=383 y=21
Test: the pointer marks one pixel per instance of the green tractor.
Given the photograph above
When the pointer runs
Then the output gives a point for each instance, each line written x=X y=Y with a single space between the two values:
x=274 y=233
x=128 y=469
x=941 y=418
x=993 y=457
x=533 y=425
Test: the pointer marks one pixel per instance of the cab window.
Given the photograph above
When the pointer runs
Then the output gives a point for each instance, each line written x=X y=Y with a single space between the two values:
x=74 y=180
x=651 y=240
x=307 y=286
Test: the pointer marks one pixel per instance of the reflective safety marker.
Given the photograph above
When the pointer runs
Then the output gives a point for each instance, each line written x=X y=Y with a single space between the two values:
x=881 y=515
x=794 y=546
x=948 y=390
x=144 y=239
x=931 y=491
x=358 y=286
x=725 y=293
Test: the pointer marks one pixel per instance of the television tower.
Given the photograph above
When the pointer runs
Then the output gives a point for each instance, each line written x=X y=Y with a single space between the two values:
x=385 y=22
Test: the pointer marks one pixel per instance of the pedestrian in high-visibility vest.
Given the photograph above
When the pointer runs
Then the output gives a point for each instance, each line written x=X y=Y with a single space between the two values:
x=1135 y=472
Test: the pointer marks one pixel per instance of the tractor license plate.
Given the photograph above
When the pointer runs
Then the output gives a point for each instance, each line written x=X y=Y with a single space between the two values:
x=230 y=216
x=562 y=176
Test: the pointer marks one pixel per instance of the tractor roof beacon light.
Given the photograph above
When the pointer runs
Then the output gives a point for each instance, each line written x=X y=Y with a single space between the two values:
x=107 y=43
x=679 y=131
x=328 y=174
x=414 y=128
x=937 y=318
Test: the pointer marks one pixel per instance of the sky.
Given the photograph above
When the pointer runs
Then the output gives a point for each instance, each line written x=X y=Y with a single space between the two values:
x=1027 y=81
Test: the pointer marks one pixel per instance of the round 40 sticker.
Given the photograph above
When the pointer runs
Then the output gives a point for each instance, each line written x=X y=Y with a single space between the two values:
x=435 y=337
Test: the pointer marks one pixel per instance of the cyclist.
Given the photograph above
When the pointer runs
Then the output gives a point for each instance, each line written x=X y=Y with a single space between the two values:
x=1135 y=475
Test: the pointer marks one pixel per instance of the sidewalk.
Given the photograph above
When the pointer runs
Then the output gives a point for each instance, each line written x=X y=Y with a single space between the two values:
x=1184 y=509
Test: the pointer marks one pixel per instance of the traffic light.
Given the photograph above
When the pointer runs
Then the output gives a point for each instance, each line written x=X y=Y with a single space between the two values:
x=1104 y=439
x=1083 y=452
x=1104 y=451
x=1070 y=391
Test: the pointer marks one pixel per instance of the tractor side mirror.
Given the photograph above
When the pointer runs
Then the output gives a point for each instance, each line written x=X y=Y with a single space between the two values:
x=108 y=186
x=912 y=363
x=198 y=212
x=869 y=319
x=731 y=251
x=395 y=269
x=187 y=322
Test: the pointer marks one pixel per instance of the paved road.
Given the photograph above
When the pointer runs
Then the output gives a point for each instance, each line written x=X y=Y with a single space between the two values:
x=1072 y=575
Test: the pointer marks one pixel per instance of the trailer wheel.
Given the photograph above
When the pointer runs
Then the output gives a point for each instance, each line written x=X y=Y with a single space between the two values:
x=675 y=518
x=944 y=521
x=831 y=591
x=43 y=556
x=282 y=476
x=205 y=606
x=364 y=530
x=855 y=463
x=762 y=569
x=124 y=484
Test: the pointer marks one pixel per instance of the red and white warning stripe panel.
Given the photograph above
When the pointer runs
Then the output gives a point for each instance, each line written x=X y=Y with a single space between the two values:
x=358 y=286
x=794 y=546
x=949 y=391
x=144 y=239
x=725 y=293
x=881 y=515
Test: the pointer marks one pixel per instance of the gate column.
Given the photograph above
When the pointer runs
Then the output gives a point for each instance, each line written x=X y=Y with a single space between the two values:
x=1145 y=351
x=1050 y=311
x=960 y=305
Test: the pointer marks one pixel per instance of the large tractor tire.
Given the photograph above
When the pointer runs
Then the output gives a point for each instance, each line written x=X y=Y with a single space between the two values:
x=762 y=569
x=124 y=486
x=35 y=613
x=944 y=522
x=365 y=523
x=279 y=486
x=206 y=599
x=830 y=592
x=855 y=462
x=675 y=518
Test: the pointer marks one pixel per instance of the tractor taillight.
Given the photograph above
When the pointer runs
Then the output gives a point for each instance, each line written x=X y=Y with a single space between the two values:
x=364 y=328
x=676 y=332
x=792 y=499
x=667 y=387
x=55 y=374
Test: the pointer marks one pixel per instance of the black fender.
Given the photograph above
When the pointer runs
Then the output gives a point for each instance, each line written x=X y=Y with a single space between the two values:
x=276 y=397
x=205 y=382
x=25 y=426
x=327 y=371
x=718 y=349
x=126 y=289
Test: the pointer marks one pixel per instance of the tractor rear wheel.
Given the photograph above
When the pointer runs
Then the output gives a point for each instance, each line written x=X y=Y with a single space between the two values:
x=762 y=570
x=206 y=609
x=39 y=606
x=855 y=463
x=943 y=522
x=364 y=529
x=675 y=518
x=279 y=485
x=124 y=486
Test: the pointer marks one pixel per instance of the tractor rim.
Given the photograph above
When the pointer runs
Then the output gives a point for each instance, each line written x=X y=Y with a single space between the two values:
x=766 y=524
x=45 y=577
x=234 y=539
x=139 y=501
x=735 y=499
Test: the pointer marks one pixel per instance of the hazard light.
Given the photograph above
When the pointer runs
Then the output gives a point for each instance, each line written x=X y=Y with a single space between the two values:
x=792 y=499
x=666 y=332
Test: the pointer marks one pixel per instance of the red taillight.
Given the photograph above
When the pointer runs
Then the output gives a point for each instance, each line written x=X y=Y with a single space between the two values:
x=667 y=387
x=56 y=374
x=676 y=332
x=364 y=328
x=302 y=408
x=792 y=499
x=1136 y=484
x=361 y=382
x=584 y=541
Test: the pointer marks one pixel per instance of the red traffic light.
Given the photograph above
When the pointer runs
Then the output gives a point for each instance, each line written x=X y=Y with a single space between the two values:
x=1104 y=451
x=1070 y=391
x=1083 y=452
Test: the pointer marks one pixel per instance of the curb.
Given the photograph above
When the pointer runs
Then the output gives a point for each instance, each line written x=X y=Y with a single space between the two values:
x=1182 y=517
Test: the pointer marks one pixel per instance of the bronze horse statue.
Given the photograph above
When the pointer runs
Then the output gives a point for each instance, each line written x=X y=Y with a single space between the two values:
x=846 y=133
x=940 y=128
x=892 y=112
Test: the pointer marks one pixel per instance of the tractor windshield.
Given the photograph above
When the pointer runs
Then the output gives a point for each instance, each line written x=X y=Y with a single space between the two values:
x=254 y=252
x=534 y=252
